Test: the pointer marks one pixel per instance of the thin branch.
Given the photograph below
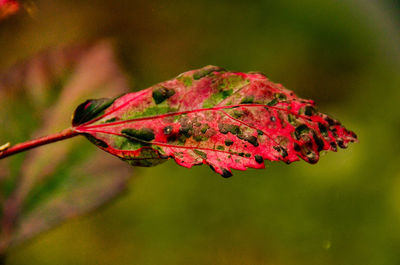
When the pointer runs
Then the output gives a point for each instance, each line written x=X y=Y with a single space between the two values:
x=65 y=134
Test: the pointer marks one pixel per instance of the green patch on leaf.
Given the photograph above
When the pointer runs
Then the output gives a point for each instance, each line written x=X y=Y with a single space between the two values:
x=145 y=134
x=123 y=143
x=200 y=153
x=186 y=80
x=247 y=100
x=216 y=98
x=292 y=119
x=151 y=111
x=200 y=138
x=234 y=82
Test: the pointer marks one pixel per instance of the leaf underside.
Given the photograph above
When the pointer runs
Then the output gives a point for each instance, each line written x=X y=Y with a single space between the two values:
x=227 y=120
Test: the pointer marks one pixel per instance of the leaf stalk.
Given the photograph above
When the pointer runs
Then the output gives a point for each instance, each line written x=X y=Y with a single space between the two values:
x=21 y=147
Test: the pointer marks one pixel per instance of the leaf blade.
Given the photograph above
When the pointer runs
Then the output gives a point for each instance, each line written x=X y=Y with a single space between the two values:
x=224 y=119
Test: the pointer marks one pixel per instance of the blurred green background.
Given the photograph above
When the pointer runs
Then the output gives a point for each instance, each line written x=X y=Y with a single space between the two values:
x=344 y=54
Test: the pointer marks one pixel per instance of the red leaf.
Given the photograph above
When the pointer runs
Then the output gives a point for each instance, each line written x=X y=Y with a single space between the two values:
x=210 y=116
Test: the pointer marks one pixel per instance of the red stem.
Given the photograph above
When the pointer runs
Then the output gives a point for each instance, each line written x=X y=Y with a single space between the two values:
x=65 y=134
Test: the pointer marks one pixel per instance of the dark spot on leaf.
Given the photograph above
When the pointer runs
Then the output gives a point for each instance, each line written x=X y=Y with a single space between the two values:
x=333 y=146
x=330 y=121
x=272 y=102
x=220 y=147
x=205 y=128
x=172 y=138
x=296 y=147
x=309 y=111
x=282 y=151
x=110 y=120
x=226 y=93
x=241 y=154
x=226 y=173
x=182 y=139
x=310 y=155
x=322 y=128
x=307 y=141
x=300 y=130
x=162 y=93
x=341 y=143
x=167 y=130
x=186 y=130
x=272 y=118
x=199 y=138
x=280 y=96
x=252 y=140
x=145 y=134
x=228 y=142
x=247 y=155
x=258 y=159
x=90 y=109
x=319 y=142
x=259 y=132
x=226 y=127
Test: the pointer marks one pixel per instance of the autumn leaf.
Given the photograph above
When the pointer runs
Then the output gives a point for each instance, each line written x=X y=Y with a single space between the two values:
x=227 y=120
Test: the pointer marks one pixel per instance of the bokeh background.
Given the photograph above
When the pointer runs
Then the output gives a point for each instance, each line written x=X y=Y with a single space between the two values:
x=344 y=54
